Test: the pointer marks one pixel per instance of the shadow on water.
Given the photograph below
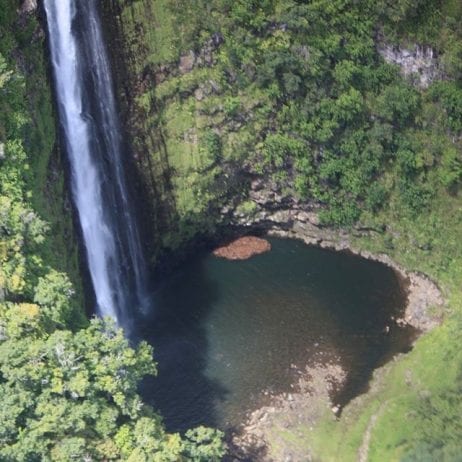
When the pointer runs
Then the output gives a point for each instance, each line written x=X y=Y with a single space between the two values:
x=176 y=332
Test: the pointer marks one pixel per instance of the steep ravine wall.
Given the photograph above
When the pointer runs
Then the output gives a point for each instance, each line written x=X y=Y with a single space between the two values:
x=148 y=173
x=172 y=102
x=181 y=183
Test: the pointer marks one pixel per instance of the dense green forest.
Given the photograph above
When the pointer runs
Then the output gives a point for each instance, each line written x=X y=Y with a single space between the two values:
x=290 y=91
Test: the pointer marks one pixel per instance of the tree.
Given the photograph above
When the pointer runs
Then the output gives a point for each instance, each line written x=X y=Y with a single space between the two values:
x=73 y=396
x=67 y=390
x=54 y=293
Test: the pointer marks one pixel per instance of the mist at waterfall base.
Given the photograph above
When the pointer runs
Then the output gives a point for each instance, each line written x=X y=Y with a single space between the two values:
x=224 y=332
x=92 y=138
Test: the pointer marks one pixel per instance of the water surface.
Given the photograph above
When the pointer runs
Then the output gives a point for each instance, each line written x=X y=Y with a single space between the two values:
x=226 y=332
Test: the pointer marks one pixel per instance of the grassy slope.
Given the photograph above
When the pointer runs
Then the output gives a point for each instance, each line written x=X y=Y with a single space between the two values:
x=198 y=184
x=428 y=242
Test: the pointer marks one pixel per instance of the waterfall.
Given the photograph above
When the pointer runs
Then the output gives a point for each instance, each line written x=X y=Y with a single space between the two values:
x=90 y=126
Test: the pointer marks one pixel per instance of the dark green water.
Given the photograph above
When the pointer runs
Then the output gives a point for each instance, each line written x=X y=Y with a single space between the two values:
x=225 y=332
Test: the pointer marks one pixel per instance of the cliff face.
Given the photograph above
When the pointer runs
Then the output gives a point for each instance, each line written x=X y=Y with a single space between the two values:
x=420 y=63
x=219 y=98
x=193 y=129
x=183 y=168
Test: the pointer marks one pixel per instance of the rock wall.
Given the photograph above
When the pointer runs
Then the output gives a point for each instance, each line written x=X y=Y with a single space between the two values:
x=172 y=103
x=419 y=63
x=179 y=177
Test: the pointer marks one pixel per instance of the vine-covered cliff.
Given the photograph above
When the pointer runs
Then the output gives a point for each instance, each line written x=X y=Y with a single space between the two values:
x=217 y=94
x=32 y=166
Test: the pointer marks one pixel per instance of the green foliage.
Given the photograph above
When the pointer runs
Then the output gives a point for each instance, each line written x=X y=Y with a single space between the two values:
x=22 y=232
x=53 y=294
x=212 y=143
x=247 y=208
x=414 y=196
x=341 y=214
x=376 y=197
x=450 y=172
x=397 y=104
x=279 y=148
x=439 y=437
x=231 y=106
x=449 y=95
x=335 y=118
x=74 y=395
x=428 y=453
x=452 y=58
x=203 y=445
x=68 y=391
x=5 y=73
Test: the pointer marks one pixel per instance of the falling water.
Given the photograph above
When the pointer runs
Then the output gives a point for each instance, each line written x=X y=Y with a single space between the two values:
x=91 y=130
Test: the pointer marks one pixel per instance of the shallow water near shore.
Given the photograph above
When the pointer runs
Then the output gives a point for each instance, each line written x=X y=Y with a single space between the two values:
x=229 y=334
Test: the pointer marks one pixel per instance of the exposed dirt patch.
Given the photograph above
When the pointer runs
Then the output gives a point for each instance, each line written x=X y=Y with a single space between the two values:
x=243 y=248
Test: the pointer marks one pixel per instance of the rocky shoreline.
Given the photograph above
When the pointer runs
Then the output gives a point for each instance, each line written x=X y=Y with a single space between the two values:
x=283 y=216
x=258 y=440
x=422 y=293
x=304 y=406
